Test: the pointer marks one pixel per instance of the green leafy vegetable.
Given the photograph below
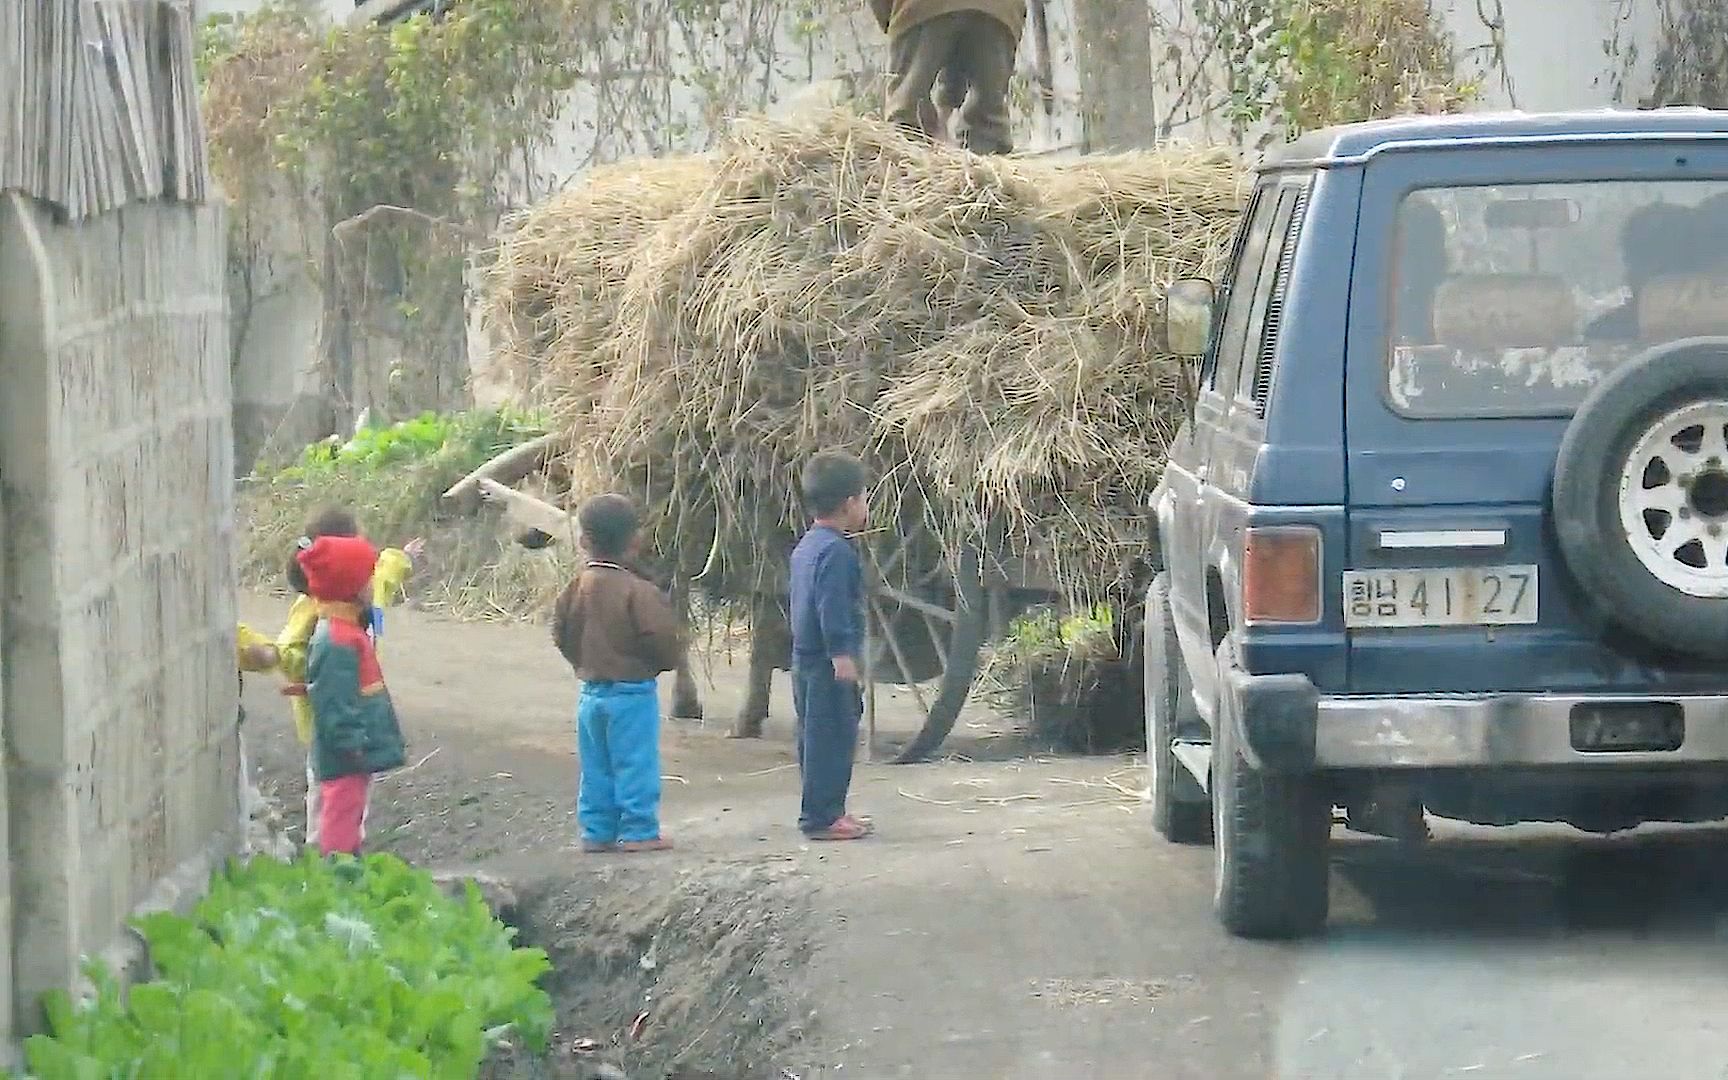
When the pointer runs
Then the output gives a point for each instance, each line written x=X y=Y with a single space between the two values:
x=462 y=441
x=360 y=970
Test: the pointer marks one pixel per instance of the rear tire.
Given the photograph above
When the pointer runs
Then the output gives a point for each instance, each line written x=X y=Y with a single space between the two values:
x=1272 y=830
x=1180 y=812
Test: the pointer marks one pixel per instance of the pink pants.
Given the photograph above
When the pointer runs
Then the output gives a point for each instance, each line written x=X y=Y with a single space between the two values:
x=311 y=804
x=342 y=814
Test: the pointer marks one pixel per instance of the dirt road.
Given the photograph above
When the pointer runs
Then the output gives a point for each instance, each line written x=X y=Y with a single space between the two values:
x=1015 y=918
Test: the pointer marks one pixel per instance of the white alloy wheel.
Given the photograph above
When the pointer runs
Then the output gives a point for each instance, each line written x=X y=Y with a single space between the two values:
x=1674 y=499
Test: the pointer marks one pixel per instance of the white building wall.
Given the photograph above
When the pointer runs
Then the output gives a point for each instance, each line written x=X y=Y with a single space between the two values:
x=1554 y=55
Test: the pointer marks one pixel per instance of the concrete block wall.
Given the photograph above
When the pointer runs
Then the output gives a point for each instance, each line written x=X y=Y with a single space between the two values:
x=117 y=682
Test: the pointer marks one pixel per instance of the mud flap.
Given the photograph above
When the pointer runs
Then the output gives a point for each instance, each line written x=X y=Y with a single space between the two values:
x=1276 y=717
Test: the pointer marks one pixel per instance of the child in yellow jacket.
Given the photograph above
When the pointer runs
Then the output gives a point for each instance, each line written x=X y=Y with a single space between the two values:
x=253 y=653
x=394 y=566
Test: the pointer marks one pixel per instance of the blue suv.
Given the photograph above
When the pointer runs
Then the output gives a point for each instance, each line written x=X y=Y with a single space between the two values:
x=1447 y=529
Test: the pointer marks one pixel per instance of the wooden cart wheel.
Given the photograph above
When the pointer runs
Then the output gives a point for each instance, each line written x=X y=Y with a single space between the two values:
x=951 y=632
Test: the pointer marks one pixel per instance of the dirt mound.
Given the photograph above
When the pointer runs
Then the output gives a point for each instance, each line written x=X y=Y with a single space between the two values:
x=666 y=971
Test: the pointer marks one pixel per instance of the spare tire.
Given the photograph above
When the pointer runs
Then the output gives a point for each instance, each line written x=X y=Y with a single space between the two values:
x=1641 y=497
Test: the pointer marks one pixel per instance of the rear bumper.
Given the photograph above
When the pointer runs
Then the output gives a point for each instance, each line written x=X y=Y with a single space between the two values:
x=1287 y=726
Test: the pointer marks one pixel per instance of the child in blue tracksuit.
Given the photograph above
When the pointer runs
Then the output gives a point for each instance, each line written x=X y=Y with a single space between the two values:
x=619 y=633
x=827 y=638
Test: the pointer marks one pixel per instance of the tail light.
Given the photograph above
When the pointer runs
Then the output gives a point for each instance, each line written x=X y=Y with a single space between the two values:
x=1281 y=574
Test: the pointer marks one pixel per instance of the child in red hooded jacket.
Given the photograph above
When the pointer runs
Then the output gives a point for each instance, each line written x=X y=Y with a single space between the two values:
x=355 y=731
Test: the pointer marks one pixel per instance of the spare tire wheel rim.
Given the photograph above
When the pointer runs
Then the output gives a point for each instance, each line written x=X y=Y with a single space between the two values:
x=1674 y=499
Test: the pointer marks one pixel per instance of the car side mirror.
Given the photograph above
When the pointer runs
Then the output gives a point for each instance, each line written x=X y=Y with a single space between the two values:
x=1188 y=316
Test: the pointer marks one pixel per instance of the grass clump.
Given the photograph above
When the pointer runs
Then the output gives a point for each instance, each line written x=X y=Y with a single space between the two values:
x=1044 y=636
x=1064 y=674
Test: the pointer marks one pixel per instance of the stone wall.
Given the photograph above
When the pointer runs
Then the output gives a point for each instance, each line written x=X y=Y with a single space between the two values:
x=117 y=679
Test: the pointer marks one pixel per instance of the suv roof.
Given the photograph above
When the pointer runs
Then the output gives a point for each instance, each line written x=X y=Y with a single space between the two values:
x=1353 y=143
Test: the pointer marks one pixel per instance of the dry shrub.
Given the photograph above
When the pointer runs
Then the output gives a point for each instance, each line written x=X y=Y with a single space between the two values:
x=1689 y=65
x=987 y=332
x=1349 y=60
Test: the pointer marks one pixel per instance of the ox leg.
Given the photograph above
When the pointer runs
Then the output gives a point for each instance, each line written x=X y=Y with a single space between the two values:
x=686 y=698
x=770 y=648
x=758 y=689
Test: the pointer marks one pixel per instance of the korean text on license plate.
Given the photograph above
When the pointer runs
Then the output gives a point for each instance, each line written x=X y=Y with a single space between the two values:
x=1444 y=596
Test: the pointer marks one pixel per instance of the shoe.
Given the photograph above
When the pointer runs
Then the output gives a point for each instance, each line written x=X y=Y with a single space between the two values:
x=634 y=847
x=595 y=847
x=844 y=828
x=863 y=819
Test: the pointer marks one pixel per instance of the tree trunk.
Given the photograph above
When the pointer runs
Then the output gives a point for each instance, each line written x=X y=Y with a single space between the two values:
x=1113 y=52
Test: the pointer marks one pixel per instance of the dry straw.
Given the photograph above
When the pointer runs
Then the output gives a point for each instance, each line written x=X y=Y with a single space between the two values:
x=987 y=332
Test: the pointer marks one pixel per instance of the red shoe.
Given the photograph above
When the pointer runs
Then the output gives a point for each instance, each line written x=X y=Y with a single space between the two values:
x=636 y=847
x=844 y=828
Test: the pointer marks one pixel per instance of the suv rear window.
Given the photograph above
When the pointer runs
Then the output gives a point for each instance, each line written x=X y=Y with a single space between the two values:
x=1516 y=300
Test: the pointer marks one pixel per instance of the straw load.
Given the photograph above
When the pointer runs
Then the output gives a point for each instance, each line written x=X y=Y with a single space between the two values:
x=986 y=332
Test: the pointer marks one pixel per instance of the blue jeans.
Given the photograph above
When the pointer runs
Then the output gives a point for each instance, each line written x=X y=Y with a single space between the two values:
x=827 y=740
x=618 y=737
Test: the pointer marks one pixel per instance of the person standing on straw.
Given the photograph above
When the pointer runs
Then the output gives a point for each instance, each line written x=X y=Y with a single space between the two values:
x=966 y=45
x=827 y=640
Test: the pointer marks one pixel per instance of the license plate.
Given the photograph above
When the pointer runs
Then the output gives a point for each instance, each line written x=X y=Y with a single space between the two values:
x=1462 y=596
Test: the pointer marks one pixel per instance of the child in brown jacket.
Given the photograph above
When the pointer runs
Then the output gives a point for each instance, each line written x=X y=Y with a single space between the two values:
x=619 y=633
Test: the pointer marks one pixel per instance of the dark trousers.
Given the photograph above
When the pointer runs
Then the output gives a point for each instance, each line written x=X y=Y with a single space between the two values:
x=827 y=740
x=972 y=54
